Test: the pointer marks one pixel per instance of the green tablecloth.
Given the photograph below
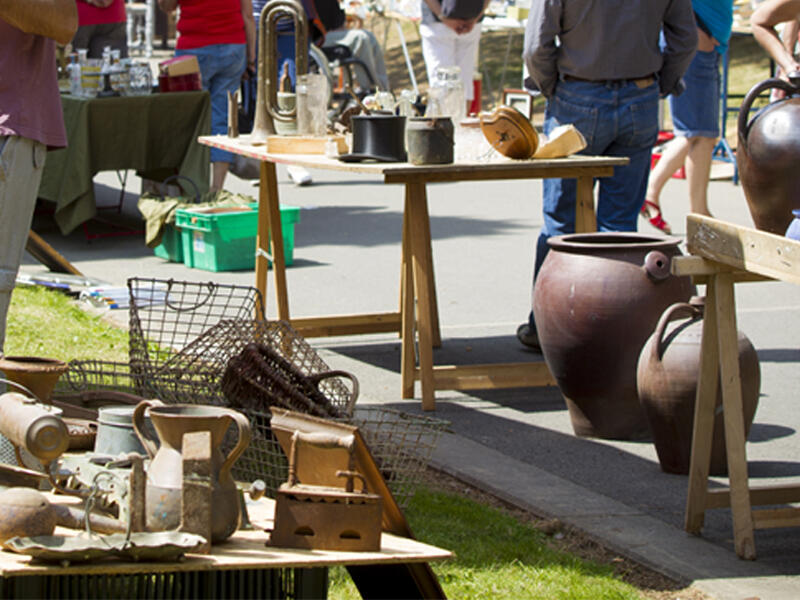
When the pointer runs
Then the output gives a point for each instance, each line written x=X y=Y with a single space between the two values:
x=156 y=135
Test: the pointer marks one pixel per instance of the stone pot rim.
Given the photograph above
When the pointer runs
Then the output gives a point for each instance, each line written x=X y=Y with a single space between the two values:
x=611 y=240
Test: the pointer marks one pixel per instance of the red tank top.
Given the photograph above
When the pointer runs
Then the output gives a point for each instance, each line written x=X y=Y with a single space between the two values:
x=207 y=22
x=94 y=15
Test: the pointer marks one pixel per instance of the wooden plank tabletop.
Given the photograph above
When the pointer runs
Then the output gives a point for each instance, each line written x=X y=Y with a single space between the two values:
x=244 y=550
x=744 y=248
x=396 y=172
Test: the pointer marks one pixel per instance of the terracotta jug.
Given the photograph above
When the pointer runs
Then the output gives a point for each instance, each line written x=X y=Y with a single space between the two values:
x=666 y=380
x=767 y=157
x=597 y=298
x=165 y=471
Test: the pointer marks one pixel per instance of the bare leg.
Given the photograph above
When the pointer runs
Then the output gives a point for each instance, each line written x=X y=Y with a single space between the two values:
x=698 y=171
x=672 y=158
x=218 y=172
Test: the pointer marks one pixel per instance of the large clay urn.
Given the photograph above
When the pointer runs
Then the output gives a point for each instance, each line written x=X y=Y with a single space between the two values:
x=597 y=299
x=666 y=378
x=165 y=471
x=768 y=155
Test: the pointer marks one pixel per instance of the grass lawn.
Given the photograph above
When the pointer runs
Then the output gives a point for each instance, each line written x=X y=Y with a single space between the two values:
x=499 y=554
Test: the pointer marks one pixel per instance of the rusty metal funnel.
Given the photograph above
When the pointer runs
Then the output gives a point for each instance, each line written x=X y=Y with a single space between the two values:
x=38 y=375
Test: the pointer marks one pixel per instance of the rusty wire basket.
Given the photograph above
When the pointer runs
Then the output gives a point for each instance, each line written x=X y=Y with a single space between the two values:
x=401 y=444
x=209 y=344
x=91 y=384
x=166 y=315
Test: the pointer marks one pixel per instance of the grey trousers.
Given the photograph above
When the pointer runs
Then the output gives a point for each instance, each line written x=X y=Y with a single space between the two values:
x=21 y=166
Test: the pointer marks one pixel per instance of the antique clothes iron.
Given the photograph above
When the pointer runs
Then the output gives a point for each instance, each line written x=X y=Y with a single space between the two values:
x=319 y=517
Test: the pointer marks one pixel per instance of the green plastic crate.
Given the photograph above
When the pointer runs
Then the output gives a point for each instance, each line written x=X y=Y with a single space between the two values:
x=224 y=238
x=171 y=246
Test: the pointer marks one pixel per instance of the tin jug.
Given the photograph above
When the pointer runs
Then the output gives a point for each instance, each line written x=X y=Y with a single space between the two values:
x=429 y=140
x=165 y=471
x=768 y=154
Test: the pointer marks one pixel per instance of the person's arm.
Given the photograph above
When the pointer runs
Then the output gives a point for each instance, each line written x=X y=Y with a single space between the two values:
x=680 y=35
x=168 y=5
x=763 y=22
x=250 y=34
x=55 y=19
x=539 y=47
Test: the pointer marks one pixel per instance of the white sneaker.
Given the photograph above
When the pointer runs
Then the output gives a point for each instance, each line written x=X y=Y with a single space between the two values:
x=299 y=175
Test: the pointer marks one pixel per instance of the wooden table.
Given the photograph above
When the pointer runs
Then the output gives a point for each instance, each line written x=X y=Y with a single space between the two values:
x=417 y=258
x=725 y=254
x=242 y=567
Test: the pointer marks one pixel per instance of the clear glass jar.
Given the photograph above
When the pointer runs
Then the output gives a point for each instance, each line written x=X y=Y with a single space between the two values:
x=140 y=79
x=446 y=95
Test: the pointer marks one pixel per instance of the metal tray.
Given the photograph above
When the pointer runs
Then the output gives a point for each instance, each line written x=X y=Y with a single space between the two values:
x=147 y=546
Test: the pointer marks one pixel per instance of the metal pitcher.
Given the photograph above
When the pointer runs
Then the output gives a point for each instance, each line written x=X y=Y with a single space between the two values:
x=165 y=472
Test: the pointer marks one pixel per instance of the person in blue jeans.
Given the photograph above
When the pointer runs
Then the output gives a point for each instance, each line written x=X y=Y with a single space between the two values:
x=601 y=69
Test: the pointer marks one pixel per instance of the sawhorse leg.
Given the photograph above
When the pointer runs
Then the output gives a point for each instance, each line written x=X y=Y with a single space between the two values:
x=720 y=359
x=269 y=228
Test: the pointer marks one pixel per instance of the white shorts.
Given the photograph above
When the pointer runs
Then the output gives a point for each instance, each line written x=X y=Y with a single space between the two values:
x=443 y=47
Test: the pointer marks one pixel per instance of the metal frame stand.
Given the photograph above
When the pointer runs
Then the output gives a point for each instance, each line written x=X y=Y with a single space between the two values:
x=723 y=150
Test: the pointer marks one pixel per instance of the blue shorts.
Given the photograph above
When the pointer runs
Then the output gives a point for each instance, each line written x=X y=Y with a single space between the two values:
x=221 y=68
x=695 y=113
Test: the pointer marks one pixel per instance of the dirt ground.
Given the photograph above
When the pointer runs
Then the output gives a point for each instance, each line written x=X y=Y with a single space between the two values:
x=653 y=585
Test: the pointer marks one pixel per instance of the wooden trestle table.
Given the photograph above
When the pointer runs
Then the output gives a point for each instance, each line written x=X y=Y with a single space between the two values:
x=241 y=567
x=417 y=258
x=724 y=254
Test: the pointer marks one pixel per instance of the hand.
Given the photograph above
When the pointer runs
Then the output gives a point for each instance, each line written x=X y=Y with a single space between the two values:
x=250 y=71
x=705 y=43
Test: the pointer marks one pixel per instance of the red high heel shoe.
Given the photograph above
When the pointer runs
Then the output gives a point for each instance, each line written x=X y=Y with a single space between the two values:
x=656 y=220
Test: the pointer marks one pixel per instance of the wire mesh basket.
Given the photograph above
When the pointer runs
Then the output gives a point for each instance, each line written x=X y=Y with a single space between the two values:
x=401 y=444
x=90 y=384
x=186 y=337
x=166 y=315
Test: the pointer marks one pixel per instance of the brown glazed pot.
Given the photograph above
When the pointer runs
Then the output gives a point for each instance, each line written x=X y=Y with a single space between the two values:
x=666 y=380
x=768 y=155
x=597 y=298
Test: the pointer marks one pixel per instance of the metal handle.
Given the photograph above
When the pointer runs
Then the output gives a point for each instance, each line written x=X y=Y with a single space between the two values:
x=150 y=445
x=245 y=435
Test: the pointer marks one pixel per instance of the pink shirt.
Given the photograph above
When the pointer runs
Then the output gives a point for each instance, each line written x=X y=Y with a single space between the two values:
x=94 y=15
x=208 y=22
x=30 y=105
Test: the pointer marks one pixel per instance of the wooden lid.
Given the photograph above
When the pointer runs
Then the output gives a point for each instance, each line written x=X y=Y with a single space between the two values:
x=510 y=132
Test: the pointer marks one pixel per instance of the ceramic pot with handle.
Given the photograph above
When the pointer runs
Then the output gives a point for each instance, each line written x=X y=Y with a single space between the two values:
x=165 y=471
x=597 y=299
x=666 y=380
x=768 y=155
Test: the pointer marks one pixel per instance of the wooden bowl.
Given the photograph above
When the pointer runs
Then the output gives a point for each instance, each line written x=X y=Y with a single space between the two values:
x=510 y=132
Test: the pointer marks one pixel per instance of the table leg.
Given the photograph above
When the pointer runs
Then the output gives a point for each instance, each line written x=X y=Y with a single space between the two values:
x=269 y=228
x=741 y=508
x=703 y=428
x=435 y=329
x=585 y=220
x=407 y=330
x=419 y=242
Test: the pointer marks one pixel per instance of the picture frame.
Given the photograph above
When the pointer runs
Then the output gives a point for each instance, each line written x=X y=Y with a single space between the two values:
x=519 y=99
